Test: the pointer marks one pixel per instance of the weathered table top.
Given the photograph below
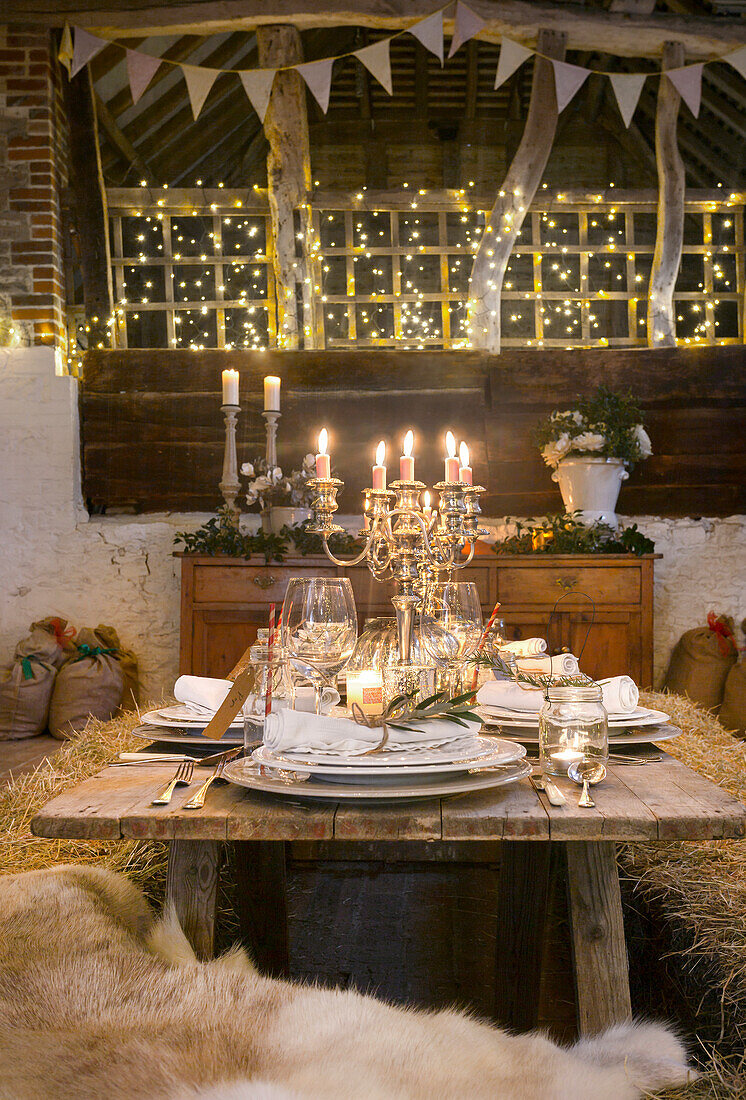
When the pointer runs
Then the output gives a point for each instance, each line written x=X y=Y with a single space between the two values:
x=658 y=801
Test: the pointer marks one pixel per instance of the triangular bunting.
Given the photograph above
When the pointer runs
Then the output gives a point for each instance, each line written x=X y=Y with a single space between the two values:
x=257 y=84
x=688 y=83
x=627 y=88
x=377 y=61
x=86 y=48
x=65 y=52
x=466 y=25
x=568 y=79
x=512 y=56
x=198 y=82
x=738 y=60
x=318 y=77
x=141 y=68
x=430 y=33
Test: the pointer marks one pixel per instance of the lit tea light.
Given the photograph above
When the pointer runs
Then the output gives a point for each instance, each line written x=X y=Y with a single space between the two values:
x=451 y=460
x=379 y=470
x=465 y=472
x=406 y=462
x=323 y=461
x=366 y=689
x=566 y=757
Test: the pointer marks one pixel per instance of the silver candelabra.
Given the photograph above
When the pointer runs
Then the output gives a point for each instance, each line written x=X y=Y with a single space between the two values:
x=403 y=544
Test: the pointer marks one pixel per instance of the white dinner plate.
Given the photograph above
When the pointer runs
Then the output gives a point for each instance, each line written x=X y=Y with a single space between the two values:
x=248 y=775
x=642 y=716
x=180 y=717
x=399 y=758
x=649 y=736
x=491 y=753
x=174 y=736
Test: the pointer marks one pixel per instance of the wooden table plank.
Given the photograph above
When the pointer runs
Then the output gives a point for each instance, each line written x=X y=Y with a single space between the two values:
x=619 y=812
x=173 y=822
x=417 y=820
x=260 y=816
x=96 y=807
x=514 y=813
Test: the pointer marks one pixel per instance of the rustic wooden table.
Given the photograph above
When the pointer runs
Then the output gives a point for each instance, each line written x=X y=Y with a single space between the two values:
x=656 y=802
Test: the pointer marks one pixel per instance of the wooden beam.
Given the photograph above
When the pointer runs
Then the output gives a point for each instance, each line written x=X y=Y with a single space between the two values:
x=620 y=33
x=288 y=168
x=669 y=236
x=121 y=141
x=89 y=206
x=515 y=197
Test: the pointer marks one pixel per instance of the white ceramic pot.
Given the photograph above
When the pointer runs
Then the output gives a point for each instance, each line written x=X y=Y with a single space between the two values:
x=591 y=487
x=278 y=516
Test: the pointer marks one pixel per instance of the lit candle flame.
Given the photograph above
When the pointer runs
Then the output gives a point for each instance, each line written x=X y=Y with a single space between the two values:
x=408 y=444
x=451 y=444
x=323 y=440
x=381 y=453
x=426 y=499
x=464 y=454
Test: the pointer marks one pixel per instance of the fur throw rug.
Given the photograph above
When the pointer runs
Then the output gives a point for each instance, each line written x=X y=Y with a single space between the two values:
x=100 y=1001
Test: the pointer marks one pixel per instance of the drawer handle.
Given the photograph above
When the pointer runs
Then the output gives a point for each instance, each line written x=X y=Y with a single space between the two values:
x=567 y=583
x=265 y=582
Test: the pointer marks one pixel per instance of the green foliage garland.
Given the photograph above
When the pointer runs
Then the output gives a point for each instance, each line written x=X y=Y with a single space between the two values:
x=565 y=534
x=220 y=535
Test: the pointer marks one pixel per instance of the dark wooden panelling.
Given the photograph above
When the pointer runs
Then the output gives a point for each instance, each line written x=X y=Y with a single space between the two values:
x=153 y=431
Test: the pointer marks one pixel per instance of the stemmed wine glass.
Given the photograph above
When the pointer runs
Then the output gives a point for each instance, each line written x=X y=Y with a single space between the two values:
x=319 y=627
x=451 y=625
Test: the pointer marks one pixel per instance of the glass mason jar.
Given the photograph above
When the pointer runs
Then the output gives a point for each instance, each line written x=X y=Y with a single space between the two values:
x=573 y=726
x=275 y=671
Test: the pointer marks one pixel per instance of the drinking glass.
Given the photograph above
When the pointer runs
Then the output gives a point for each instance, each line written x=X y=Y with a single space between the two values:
x=451 y=625
x=319 y=628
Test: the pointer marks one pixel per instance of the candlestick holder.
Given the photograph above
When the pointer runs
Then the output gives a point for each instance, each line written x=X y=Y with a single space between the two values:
x=230 y=486
x=271 y=416
x=400 y=544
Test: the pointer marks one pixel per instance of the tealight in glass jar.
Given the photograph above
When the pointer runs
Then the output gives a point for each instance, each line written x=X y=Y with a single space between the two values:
x=573 y=726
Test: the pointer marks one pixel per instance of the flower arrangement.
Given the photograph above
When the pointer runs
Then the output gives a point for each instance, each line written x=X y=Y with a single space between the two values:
x=268 y=485
x=604 y=425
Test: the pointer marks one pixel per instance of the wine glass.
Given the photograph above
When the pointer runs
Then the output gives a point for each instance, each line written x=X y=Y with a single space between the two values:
x=319 y=627
x=451 y=625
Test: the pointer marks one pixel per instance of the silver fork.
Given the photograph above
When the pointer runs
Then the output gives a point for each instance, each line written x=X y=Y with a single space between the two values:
x=182 y=778
x=197 y=801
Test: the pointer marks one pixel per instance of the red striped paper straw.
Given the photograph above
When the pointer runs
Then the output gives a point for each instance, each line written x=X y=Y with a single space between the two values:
x=270 y=647
x=482 y=641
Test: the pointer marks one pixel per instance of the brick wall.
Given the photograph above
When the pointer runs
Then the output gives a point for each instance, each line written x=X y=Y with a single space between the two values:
x=32 y=173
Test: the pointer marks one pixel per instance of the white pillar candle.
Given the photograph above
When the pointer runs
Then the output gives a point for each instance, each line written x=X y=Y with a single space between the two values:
x=406 y=462
x=451 y=460
x=366 y=689
x=323 y=461
x=230 y=387
x=379 y=470
x=271 y=393
x=465 y=471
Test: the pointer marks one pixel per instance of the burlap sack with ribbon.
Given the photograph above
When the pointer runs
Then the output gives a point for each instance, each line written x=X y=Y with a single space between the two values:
x=701 y=661
x=733 y=711
x=90 y=684
x=26 y=687
x=63 y=634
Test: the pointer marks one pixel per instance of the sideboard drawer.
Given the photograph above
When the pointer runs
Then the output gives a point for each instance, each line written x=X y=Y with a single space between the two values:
x=248 y=584
x=545 y=584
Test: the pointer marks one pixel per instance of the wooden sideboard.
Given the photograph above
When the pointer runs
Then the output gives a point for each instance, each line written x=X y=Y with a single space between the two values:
x=224 y=600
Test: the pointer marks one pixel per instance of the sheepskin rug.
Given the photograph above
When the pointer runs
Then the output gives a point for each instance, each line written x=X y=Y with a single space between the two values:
x=101 y=1001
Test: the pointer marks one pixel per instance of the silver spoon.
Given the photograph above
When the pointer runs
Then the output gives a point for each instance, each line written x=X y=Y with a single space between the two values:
x=587 y=773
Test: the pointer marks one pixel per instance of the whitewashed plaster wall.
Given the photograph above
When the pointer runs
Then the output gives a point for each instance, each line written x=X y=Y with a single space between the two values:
x=55 y=560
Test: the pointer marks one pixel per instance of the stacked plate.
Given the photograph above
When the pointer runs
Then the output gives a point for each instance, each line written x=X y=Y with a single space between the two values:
x=639 y=726
x=179 y=724
x=387 y=775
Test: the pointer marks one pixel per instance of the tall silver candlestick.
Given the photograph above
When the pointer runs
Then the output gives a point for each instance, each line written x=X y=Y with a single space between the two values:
x=271 y=417
x=230 y=486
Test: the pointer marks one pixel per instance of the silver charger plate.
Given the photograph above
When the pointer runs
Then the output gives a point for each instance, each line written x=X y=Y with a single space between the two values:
x=174 y=736
x=649 y=736
x=247 y=775
x=641 y=716
x=180 y=717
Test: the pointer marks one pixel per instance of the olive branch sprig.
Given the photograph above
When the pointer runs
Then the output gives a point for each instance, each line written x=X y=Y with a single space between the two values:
x=484 y=660
x=438 y=706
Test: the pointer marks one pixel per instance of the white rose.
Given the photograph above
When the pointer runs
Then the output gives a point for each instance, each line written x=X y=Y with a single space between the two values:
x=247 y=469
x=577 y=416
x=275 y=474
x=309 y=462
x=588 y=441
x=556 y=450
x=261 y=484
x=251 y=497
x=643 y=441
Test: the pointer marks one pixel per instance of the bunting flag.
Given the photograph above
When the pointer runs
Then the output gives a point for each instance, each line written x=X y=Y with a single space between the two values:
x=318 y=77
x=512 y=56
x=688 y=83
x=65 y=52
x=429 y=32
x=627 y=89
x=257 y=83
x=738 y=60
x=198 y=82
x=377 y=61
x=141 y=68
x=86 y=48
x=466 y=25
x=568 y=79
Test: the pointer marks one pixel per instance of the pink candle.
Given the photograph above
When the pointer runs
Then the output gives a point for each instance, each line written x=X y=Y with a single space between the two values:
x=323 y=461
x=451 y=460
x=465 y=472
x=406 y=462
x=379 y=470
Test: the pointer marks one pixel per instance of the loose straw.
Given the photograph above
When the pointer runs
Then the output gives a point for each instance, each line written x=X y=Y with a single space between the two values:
x=483 y=640
x=270 y=674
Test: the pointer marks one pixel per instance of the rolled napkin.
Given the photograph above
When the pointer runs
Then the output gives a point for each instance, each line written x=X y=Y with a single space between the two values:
x=561 y=664
x=620 y=693
x=305 y=699
x=294 y=731
x=202 y=694
x=526 y=647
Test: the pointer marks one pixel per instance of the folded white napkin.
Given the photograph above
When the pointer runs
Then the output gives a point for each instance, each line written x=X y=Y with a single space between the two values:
x=305 y=699
x=202 y=694
x=561 y=664
x=293 y=731
x=527 y=647
x=619 y=693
